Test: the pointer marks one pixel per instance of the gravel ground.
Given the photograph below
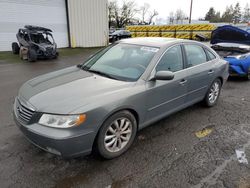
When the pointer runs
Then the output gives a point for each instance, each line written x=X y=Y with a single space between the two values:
x=165 y=154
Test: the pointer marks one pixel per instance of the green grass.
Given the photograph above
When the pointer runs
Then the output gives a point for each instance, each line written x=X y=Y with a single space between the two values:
x=75 y=51
x=9 y=57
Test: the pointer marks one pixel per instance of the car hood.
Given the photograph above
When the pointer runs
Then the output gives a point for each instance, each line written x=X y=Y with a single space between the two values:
x=64 y=91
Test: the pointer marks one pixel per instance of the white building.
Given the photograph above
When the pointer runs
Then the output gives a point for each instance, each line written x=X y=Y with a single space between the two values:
x=75 y=23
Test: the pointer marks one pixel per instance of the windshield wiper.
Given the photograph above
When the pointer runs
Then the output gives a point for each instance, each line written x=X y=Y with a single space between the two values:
x=96 y=72
x=102 y=74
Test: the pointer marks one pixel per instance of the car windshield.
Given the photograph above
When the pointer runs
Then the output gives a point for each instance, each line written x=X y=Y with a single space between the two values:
x=40 y=38
x=125 y=62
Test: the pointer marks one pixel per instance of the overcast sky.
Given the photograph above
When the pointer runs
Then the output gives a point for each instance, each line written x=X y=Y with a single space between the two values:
x=200 y=7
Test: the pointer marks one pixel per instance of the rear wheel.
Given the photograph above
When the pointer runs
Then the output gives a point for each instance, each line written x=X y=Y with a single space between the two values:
x=31 y=55
x=15 y=48
x=116 y=135
x=213 y=93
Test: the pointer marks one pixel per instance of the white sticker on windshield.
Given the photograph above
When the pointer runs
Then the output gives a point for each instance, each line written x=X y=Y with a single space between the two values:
x=150 y=49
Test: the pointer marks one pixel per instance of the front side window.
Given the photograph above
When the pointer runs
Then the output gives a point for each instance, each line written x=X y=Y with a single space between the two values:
x=122 y=61
x=171 y=61
x=195 y=55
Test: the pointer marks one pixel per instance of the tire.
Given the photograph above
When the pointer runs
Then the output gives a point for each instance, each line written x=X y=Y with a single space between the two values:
x=114 y=39
x=31 y=55
x=15 y=48
x=248 y=74
x=56 y=55
x=116 y=135
x=213 y=93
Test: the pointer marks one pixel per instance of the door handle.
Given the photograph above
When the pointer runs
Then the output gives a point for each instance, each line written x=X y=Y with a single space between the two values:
x=183 y=81
x=210 y=71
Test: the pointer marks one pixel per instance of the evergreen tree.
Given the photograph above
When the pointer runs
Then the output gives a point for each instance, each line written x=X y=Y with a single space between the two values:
x=210 y=14
x=237 y=13
x=246 y=14
x=217 y=17
x=227 y=16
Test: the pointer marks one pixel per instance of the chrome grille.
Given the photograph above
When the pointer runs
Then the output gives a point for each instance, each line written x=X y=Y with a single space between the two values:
x=23 y=112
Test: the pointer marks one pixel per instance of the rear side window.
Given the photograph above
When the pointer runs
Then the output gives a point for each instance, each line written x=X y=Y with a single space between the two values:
x=171 y=61
x=195 y=55
x=211 y=56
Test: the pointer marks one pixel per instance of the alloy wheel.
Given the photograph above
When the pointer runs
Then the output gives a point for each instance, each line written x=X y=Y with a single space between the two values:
x=118 y=135
x=214 y=92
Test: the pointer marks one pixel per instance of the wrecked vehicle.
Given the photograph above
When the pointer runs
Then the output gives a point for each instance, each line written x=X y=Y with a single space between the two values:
x=233 y=44
x=35 y=43
x=238 y=57
x=230 y=34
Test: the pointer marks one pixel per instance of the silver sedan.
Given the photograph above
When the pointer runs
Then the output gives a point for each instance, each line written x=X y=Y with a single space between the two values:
x=102 y=103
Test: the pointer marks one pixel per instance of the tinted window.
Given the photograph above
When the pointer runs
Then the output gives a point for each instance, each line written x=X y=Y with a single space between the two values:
x=211 y=56
x=171 y=60
x=195 y=55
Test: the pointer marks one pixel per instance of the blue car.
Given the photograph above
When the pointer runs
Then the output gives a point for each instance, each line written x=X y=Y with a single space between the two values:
x=238 y=57
x=239 y=65
x=233 y=44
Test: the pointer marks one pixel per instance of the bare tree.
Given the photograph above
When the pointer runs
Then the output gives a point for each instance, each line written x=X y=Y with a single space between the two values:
x=179 y=16
x=171 y=18
x=123 y=15
x=144 y=11
x=112 y=6
x=152 y=15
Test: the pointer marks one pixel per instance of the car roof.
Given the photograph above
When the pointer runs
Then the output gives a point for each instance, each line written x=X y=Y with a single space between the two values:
x=37 y=28
x=151 y=41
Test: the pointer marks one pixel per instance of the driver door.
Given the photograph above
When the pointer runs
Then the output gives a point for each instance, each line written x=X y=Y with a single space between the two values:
x=165 y=97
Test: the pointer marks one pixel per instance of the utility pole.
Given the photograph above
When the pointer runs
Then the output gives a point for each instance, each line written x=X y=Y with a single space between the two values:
x=190 y=15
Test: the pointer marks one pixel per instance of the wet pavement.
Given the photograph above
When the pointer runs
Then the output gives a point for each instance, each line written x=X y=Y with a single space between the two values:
x=192 y=148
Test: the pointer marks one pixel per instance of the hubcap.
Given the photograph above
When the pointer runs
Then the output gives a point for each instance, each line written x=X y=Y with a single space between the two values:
x=118 y=135
x=214 y=92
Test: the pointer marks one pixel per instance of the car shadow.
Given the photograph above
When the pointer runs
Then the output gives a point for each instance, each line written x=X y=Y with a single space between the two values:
x=237 y=79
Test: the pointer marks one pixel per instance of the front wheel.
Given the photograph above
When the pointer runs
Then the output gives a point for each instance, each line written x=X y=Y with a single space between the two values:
x=31 y=55
x=248 y=74
x=116 y=135
x=213 y=93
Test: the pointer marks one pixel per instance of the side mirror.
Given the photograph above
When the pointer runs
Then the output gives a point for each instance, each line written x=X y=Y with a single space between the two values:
x=164 y=75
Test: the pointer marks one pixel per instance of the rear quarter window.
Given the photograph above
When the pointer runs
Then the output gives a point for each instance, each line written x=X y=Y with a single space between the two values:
x=210 y=55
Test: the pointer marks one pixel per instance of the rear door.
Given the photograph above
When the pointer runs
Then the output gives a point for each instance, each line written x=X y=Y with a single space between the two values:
x=200 y=72
x=164 y=97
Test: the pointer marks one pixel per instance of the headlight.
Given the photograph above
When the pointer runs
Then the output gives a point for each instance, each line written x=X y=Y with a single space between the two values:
x=62 y=121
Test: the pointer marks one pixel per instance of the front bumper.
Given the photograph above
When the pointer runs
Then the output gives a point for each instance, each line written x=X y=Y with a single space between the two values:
x=67 y=143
